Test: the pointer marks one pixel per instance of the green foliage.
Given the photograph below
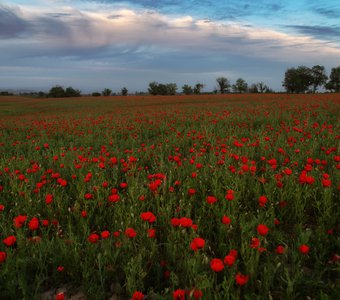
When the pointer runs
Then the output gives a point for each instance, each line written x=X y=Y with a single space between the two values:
x=319 y=77
x=150 y=154
x=197 y=88
x=5 y=93
x=223 y=84
x=240 y=86
x=187 y=89
x=303 y=79
x=334 y=80
x=259 y=87
x=124 y=91
x=56 y=92
x=71 y=92
x=156 y=88
x=59 y=92
x=298 y=80
x=106 y=92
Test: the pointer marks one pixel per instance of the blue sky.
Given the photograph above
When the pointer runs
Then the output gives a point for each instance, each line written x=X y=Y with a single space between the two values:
x=92 y=44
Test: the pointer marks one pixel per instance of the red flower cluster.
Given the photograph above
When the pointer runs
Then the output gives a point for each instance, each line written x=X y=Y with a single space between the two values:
x=197 y=243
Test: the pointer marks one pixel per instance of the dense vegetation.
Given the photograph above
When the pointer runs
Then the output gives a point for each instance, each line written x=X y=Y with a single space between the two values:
x=182 y=197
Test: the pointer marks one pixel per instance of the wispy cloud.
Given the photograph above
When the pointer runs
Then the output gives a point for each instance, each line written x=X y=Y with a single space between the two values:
x=320 y=32
x=69 y=29
x=328 y=11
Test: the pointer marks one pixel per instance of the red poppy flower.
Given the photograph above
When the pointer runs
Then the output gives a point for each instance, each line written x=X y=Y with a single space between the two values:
x=191 y=192
x=33 y=224
x=105 y=234
x=113 y=198
x=233 y=252
x=229 y=260
x=123 y=185
x=216 y=265
x=19 y=221
x=137 y=296
x=60 y=268
x=255 y=243
x=60 y=296
x=326 y=182
x=230 y=195
x=197 y=243
x=10 y=240
x=280 y=249
x=48 y=198
x=93 y=238
x=62 y=182
x=262 y=229
x=178 y=294
x=148 y=216
x=3 y=256
x=45 y=223
x=185 y=222
x=226 y=220
x=304 y=249
x=241 y=279
x=262 y=201
x=198 y=294
x=130 y=232
x=88 y=196
x=211 y=199
x=287 y=171
x=151 y=233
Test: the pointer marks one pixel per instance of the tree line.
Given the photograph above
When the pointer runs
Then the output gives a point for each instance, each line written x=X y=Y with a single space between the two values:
x=296 y=80
x=301 y=79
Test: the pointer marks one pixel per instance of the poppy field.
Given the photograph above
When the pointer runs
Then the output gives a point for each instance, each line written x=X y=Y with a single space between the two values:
x=170 y=197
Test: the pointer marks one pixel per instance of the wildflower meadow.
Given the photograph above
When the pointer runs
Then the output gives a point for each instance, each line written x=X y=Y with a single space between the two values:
x=170 y=197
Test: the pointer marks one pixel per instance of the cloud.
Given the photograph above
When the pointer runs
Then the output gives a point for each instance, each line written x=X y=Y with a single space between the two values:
x=11 y=24
x=72 y=31
x=321 y=32
x=329 y=12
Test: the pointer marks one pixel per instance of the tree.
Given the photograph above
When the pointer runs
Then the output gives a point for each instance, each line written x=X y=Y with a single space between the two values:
x=156 y=88
x=298 y=80
x=56 y=92
x=162 y=89
x=223 y=84
x=253 y=89
x=240 y=86
x=259 y=87
x=153 y=88
x=5 y=93
x=198 y=87
x=187 y=89
x=124 y=91
x=41 y=94
x=319 y=77
x=96 y=94
x=334 y=80
x=262 y=87
x=71 y=92
x=171 y=89
x=106 y=92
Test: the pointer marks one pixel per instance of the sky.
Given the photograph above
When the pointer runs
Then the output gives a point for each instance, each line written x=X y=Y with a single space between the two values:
x=96 y=44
